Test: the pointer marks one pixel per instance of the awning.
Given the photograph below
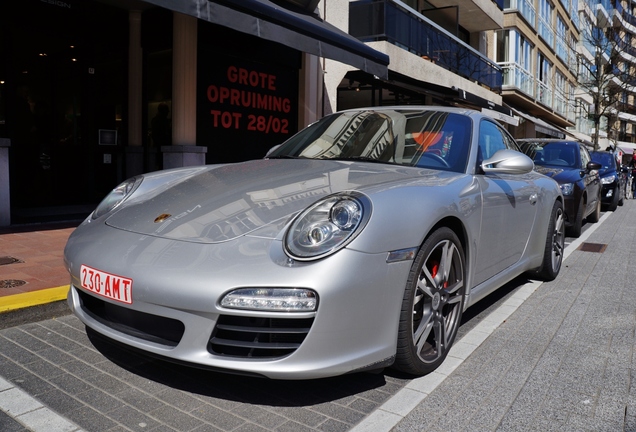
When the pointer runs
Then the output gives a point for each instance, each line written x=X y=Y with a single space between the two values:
x=541 y=125
x=306 y=33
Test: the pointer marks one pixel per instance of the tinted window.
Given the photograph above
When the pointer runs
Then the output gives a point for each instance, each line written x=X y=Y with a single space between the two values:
x=558 y=154
x=606 y=159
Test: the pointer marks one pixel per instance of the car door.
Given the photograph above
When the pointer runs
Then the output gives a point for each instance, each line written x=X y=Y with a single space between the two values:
x=508 y=208
x=592 y=181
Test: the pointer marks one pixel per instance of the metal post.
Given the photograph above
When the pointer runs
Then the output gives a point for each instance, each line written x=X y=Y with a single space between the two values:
x=5 y=199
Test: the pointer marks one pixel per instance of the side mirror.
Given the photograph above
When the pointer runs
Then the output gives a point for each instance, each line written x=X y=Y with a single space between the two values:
x=270 y=151
x=508 y=162
x=592 y=166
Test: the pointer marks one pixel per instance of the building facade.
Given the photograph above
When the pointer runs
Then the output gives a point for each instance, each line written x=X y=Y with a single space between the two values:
x=622 y=132
x=93 y=92
x=537 y=50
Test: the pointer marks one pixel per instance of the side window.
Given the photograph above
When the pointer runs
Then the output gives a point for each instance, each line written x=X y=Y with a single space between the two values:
x=491 y=139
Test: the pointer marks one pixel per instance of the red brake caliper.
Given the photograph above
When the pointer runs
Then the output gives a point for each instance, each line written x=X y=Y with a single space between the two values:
x=434 y=271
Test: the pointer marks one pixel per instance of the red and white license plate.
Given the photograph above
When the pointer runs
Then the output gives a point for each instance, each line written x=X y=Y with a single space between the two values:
x=107 y=285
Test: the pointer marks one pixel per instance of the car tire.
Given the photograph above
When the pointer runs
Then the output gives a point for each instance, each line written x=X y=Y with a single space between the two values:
x=432 y=304
x=596 y=214
x=575 y=229
x=614 y=204
x=554 y=246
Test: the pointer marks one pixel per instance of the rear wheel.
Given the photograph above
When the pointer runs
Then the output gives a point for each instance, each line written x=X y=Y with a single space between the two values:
x=432 y=305
x=596 y=214
x=554 y=245
x=575 y=229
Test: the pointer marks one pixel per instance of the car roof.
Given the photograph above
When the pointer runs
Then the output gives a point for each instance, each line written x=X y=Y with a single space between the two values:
x=549 y=140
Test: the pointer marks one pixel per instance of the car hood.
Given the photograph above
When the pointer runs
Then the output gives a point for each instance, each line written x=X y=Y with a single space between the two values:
x=561 y=175
x=221 y=203
x=606 y=172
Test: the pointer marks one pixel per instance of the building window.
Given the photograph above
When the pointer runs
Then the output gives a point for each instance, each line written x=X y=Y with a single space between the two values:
x=561 y=90
x=544 y=78
x=545 y=22
x=562 y=38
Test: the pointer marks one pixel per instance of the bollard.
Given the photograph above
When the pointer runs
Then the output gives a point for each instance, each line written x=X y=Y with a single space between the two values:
x=5 y=200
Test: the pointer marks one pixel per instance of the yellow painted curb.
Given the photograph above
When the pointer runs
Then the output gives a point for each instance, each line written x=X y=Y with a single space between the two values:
x=19 y=301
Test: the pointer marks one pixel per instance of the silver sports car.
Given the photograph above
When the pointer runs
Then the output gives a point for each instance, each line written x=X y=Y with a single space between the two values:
x=355 y=245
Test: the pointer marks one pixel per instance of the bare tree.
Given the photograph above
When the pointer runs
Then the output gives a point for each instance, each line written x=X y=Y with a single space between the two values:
x=604 y=76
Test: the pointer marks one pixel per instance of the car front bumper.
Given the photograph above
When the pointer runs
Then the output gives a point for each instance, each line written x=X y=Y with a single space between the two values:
x=176 y=292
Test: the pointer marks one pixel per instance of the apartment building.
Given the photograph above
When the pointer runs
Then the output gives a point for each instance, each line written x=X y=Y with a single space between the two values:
x=439 y=54
x=537 y=51
x=622 y=132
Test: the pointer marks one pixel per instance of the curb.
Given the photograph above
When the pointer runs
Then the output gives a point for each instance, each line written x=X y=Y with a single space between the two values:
x=35 y=298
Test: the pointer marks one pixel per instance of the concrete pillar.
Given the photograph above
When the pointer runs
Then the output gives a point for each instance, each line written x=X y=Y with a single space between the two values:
x=134 y=150
x=5 y=196
x=184 y=151
x=311 y=86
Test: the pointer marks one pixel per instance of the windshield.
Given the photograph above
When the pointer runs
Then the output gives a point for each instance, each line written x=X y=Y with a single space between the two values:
x=428 y=139
x=558 y=154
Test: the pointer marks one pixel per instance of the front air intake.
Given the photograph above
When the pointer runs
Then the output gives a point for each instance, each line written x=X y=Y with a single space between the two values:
x=266 y=338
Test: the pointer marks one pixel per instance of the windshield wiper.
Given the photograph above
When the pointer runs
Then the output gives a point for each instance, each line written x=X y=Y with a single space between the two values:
x=286 y=157
x=363 y=159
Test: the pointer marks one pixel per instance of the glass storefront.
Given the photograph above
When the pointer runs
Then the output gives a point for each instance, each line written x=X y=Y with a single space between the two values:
x=63 y=74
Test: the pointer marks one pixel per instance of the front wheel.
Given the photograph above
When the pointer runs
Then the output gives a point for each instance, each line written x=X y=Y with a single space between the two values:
x=432 y=305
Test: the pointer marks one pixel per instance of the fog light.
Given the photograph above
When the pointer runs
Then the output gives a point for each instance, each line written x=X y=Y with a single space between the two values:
x=271 y=299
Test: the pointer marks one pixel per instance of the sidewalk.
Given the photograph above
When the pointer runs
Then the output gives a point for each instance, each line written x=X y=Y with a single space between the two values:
x=31 y=264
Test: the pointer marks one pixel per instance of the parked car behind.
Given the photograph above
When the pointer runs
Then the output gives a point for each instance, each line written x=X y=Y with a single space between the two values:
x=570 y=164
x=613 y=179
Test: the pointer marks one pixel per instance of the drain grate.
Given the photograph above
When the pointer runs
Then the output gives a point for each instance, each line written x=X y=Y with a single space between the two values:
x=592 y=247
x=4 y=260
x=11 y=283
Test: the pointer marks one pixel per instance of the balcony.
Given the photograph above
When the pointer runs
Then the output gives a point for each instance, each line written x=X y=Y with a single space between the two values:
x=544 y=94
x=515 y=76
x=391 y=21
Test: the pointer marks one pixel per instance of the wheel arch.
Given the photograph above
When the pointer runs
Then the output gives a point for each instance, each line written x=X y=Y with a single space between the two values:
x=458 y=228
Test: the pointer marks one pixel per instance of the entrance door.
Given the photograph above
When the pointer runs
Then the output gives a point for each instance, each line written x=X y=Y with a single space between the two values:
x=65 y=83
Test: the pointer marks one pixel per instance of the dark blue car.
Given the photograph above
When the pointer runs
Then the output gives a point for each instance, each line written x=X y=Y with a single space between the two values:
x=570 y=164
x=612 y=179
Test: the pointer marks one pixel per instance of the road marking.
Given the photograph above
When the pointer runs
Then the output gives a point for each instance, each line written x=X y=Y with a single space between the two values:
x=30 y=412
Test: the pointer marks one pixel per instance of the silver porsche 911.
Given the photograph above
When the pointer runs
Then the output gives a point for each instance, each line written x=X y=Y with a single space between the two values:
x=355 y=245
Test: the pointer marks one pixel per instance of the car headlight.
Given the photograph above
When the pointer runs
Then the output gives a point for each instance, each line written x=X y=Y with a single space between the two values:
x=567 y=188
x=327 y=226
x=609 y=179
x=117 y=196
x=271 y=299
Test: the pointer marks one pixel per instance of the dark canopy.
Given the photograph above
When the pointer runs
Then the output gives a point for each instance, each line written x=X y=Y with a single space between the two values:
x=298 y=30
